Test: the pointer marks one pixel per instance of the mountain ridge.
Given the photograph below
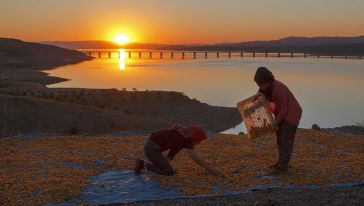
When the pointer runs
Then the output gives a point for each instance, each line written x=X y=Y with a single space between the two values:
x=286 y=41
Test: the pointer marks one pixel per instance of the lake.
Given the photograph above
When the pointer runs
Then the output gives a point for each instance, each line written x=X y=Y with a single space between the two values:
x=330 y=91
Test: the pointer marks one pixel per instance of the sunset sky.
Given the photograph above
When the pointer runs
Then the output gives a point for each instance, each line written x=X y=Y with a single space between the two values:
x=179 y=21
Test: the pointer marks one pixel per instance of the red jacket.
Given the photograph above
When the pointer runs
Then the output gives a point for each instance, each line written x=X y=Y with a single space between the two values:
x=285 y=106
x=172 y=140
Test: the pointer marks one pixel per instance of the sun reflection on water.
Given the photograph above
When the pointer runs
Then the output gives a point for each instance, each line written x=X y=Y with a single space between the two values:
x=122 y=58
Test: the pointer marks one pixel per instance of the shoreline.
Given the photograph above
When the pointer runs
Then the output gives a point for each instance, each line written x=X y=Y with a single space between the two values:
x=39 y=91
x=24 y=83
x=32 y=68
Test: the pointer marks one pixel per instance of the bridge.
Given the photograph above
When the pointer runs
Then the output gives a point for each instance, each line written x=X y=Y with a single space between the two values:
x=165 y=54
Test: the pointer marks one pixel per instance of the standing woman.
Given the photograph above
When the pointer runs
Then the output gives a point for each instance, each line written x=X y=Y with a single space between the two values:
x=287 y=112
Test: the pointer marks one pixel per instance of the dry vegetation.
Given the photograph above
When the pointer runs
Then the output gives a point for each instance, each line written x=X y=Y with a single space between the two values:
x=156 y=108
x=51 y=169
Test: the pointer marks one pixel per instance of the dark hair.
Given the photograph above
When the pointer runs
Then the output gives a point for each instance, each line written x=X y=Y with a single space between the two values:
x=263 y=75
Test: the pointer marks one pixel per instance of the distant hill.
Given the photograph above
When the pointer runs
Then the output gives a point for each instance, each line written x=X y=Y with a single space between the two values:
x=301 y=42
x=83 y=44
x=35 y=55
x=103 y=45
x=28 y=107
x=23 y=61
x=313 y=45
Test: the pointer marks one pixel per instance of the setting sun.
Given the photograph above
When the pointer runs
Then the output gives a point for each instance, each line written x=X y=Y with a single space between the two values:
x=121 y=39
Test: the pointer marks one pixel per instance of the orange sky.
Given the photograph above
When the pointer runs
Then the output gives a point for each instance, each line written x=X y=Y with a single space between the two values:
x=175 y=21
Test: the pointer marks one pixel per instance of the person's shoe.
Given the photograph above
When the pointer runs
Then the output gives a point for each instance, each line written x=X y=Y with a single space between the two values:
x=139 y=165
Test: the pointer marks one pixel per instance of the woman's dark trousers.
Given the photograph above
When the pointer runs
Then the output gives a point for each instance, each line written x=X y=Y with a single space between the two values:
x=158 y=162
x=285 y=138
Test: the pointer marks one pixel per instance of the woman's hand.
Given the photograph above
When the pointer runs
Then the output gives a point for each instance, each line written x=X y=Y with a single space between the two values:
x=194 y=156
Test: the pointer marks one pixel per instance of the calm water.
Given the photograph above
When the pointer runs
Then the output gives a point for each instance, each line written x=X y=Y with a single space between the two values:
x=330 y=91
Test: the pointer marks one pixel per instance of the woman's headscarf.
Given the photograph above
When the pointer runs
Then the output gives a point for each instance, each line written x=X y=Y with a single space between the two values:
x=196 y=133
x=263 y=75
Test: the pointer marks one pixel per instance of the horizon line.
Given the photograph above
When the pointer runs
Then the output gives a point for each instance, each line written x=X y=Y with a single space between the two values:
x=211 y=43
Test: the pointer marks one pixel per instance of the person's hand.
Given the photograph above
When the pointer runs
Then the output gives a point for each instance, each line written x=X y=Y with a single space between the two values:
x=257 y=96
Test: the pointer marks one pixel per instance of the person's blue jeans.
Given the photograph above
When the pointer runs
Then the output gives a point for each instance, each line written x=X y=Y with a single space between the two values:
x=158 y=162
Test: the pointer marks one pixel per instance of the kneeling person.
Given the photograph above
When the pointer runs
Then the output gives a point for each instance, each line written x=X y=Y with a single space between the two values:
x=173 y=139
